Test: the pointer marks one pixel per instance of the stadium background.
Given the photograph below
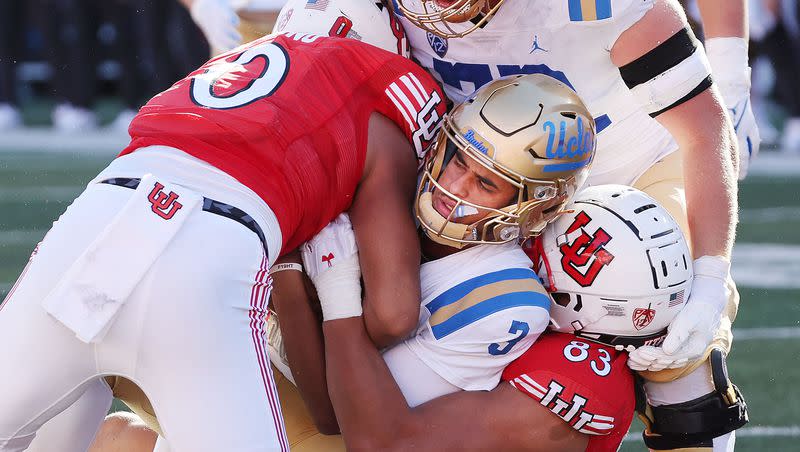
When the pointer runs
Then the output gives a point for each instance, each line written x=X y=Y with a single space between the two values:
x=42 y=171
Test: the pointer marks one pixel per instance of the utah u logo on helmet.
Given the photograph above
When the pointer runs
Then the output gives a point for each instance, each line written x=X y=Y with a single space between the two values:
x=583 y=249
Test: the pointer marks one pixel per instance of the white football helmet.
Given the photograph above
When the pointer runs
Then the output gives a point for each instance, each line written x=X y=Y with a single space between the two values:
x=617 y=265
x=369 y=21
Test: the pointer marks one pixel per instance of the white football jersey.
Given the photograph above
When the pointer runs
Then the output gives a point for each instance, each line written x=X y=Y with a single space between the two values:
x=571 y=41
x=481 y=309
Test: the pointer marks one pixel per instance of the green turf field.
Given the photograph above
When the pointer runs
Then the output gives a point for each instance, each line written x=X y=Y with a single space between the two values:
x=35 y=188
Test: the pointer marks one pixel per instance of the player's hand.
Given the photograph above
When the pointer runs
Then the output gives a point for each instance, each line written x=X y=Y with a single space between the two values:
x=334 y=244
x=692 y=330
x=218 y=21
x=331 y=261
x=728 y=60
x=747 y=134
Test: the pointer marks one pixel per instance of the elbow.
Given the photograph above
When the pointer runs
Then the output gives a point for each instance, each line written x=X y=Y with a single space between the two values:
x=400 y=326
x=392 y=327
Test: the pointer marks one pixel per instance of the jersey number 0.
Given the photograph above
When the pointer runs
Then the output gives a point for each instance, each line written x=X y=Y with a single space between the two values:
x=255 y=84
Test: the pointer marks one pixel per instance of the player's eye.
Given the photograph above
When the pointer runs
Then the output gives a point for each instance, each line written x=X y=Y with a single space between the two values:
x=459 y=160
x=487 y=185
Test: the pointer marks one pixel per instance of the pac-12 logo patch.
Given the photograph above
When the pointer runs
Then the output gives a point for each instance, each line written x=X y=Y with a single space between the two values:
x=438 y=44
x=643 y=317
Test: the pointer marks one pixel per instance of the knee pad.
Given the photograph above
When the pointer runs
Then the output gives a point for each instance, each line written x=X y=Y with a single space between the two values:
x=697 y=422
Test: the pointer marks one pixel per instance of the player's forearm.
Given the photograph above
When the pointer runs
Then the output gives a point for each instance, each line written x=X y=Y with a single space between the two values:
x=710 y=168
x=305 y=349
x=369 y=405
x=724 y=18
x=388 y=253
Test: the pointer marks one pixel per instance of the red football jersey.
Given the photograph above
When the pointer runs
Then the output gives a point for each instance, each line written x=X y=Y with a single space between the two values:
x=588 y=385
x=287 y=116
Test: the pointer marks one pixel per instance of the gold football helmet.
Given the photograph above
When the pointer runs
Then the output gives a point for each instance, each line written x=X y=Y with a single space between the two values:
x=435 y=16
x=533 y=132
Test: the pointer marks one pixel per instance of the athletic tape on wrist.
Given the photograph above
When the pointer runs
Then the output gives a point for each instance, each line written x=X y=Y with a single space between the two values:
x=339 y=290
x=712 y=267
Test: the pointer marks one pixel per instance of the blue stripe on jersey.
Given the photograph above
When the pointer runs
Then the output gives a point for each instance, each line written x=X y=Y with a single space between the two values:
x=489 y=307
x=460 y=290
x=586 y=10
x=575 y=13
x=603 y=9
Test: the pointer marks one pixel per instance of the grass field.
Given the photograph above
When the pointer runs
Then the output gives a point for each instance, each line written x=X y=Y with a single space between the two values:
x=35 y=188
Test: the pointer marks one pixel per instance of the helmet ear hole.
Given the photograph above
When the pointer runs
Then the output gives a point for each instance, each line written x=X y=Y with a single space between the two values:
x=561 y=298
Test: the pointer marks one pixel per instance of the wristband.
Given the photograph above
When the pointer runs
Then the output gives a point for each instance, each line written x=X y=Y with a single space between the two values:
x=712 y=267
x=729 y=68
x=286 y=266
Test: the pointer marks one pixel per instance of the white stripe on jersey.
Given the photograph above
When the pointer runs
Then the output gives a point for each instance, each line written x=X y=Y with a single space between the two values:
x=419 y=86
x=533 y=383
x=403 y=97
x=604 y=418
x=400 y=108
x=528 y=388
x=413 y=90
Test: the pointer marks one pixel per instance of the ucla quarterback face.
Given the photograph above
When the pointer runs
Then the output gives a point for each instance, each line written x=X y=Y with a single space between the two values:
x=505 y=162
x=468 y=180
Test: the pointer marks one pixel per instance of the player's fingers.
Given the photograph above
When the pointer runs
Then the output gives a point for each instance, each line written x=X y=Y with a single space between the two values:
x=678 y=333
x=657 y=366
x=642 y=357
x=677 y=363
x=636 y=362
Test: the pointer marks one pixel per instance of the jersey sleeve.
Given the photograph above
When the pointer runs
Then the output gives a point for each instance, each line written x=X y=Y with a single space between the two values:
x=587 y=385
x=415 y=102
x=480 y=325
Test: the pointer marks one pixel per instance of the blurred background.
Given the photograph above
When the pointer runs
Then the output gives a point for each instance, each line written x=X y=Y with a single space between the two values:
x=74 y=72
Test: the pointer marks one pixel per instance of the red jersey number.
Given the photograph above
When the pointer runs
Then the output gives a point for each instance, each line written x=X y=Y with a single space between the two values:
x=255 y=74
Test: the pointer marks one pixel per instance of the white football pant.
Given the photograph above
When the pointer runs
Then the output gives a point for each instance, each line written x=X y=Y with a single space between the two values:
x=191 y=334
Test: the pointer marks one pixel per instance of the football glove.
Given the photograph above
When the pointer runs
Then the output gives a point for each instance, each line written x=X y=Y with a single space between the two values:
x=728 y=59
x=693 y=329
x=331 y=261
x=218 y=21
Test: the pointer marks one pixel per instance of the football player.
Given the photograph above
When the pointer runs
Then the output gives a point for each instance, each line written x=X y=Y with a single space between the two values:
x=488 y=184
x=631 y=61
x=582 y=391
x=158 y=272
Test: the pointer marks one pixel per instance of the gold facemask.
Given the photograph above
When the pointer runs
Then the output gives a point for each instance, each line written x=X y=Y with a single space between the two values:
x=530 y=130
x=437 y=20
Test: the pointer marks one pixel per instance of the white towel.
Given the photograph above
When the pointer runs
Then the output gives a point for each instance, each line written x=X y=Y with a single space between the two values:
x=93 y=289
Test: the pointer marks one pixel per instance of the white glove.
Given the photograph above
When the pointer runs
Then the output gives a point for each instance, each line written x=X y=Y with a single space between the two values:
x=728 y=59
x=692 y=330
x=331 y=261
x=218 y=21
